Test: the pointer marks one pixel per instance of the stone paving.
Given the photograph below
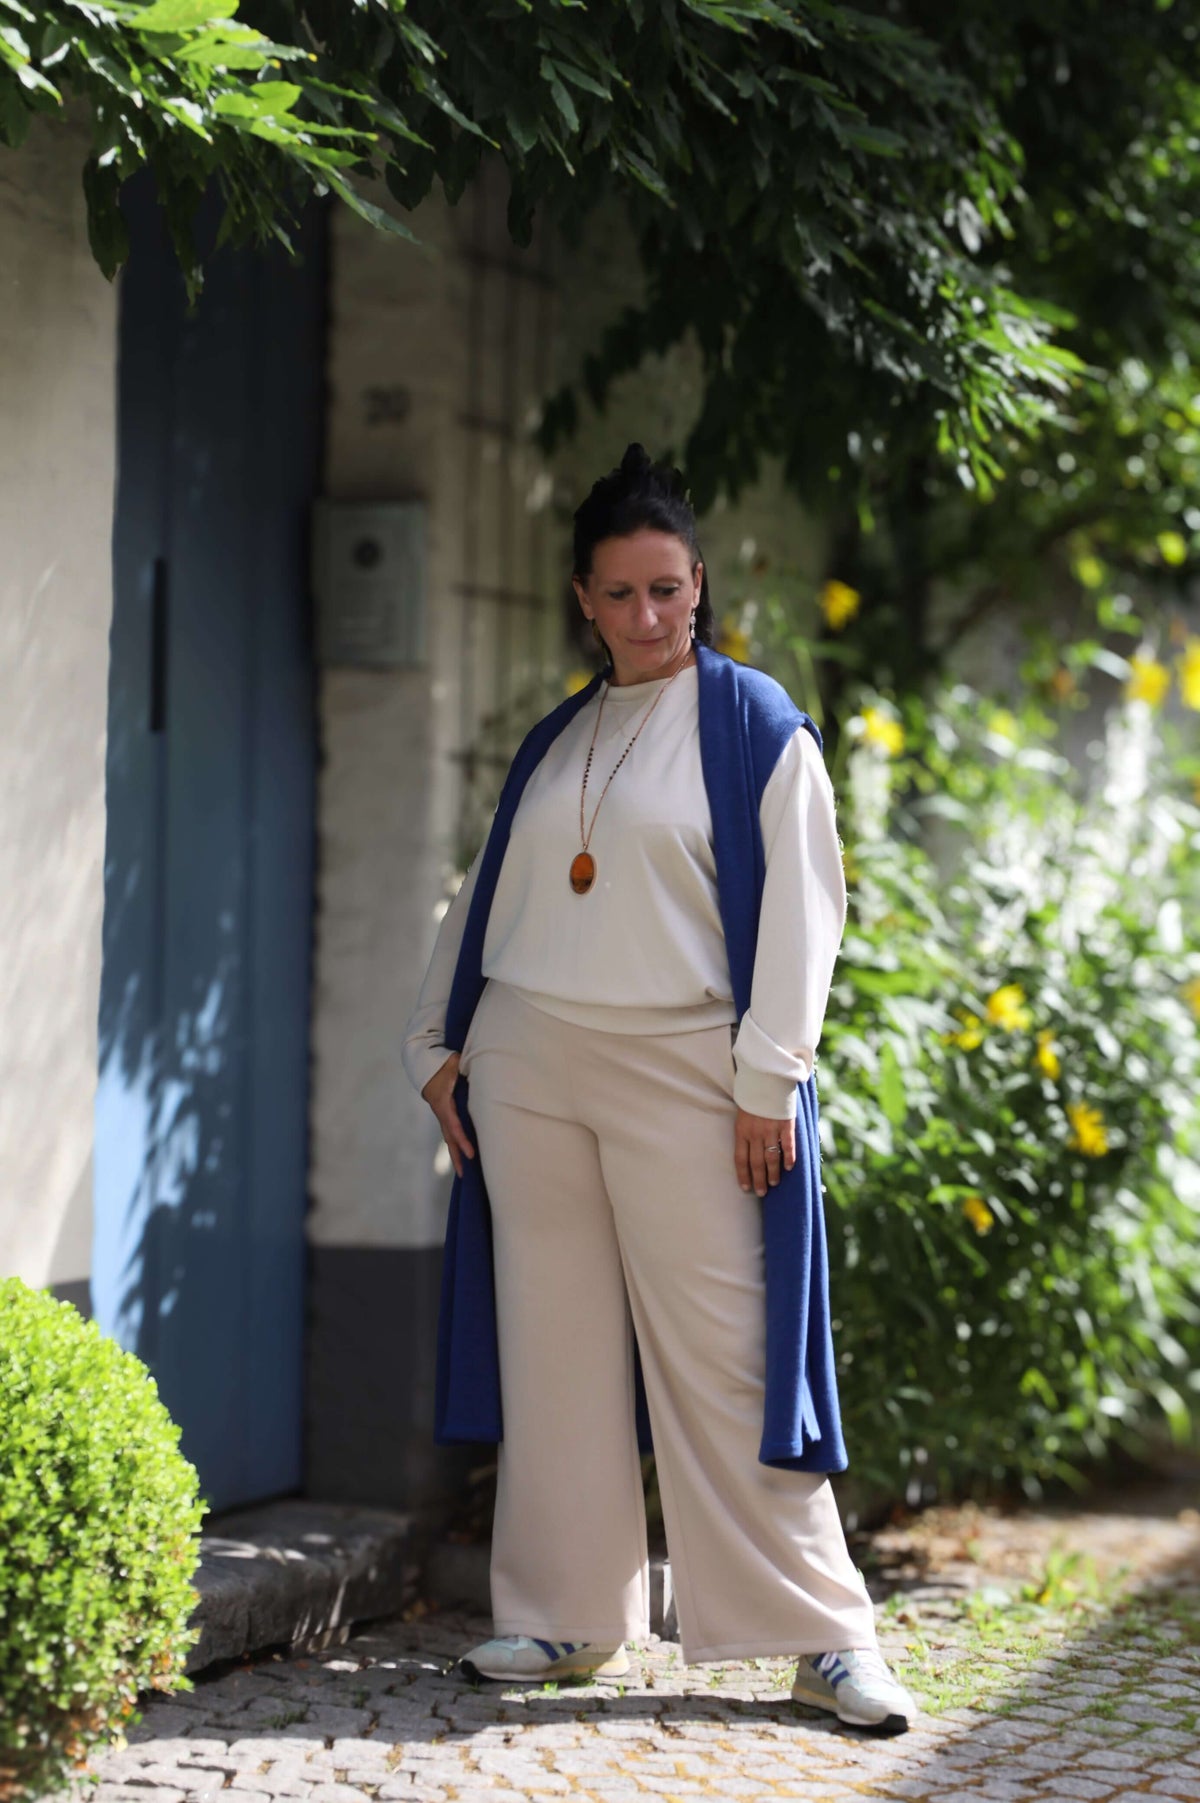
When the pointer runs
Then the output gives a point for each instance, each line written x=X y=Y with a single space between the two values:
x=1055 y=1698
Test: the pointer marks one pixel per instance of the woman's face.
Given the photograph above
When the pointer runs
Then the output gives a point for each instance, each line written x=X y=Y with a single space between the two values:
x=641 y=593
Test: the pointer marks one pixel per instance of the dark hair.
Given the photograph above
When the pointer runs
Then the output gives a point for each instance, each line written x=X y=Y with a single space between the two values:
x=637 y=494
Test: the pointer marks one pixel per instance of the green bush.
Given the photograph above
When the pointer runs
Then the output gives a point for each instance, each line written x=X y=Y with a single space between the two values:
x=1010 y=1081
x=1010 y=1066
x=99 y=1538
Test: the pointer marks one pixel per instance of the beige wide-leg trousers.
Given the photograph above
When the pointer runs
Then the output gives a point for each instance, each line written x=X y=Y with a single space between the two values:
x=609 y=1163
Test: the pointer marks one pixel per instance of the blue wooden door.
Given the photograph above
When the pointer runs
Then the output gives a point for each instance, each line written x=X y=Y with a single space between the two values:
x=201 y=1122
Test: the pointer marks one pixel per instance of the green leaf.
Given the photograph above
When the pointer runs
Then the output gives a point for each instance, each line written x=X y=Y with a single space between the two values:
x=366 y=209
x=580 y=79
x=562 y=99
x=189 y=114
x=264 y=99
x=1173 y=1406
x=427 y=84
x=229 y=48
x=15 y=115
x=647 y=175
x=892 y=1098
x=34 y=82
x=383 y=113
x=874 y=138
x=180 y=15
x=108 y=234
x=523 y=123
x=13 y=45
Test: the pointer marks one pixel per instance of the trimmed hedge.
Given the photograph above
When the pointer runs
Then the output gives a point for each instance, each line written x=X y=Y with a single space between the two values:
x=99 y=1538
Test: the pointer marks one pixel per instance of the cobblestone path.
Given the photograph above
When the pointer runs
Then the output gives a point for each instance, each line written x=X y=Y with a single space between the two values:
x=1056 y=1656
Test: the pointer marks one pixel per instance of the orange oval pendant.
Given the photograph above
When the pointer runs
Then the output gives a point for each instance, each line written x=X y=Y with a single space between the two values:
x=583 y=872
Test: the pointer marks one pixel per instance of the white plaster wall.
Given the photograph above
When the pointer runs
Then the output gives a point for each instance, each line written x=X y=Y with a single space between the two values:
x=57 y=449
x=377 y=793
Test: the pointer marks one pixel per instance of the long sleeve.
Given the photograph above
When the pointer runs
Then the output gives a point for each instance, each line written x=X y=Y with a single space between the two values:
x=424 y=1050
x=800 y=932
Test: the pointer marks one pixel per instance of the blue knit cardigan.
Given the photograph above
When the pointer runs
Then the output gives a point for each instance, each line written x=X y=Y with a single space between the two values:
x=745 y=719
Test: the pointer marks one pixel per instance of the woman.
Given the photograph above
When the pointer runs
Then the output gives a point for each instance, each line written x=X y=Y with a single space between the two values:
x=633 y=977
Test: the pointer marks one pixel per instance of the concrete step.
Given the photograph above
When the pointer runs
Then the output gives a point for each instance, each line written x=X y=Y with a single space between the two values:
x=299 y=1574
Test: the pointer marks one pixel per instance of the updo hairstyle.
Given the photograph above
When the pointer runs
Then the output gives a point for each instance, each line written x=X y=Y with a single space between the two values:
x=641 y=493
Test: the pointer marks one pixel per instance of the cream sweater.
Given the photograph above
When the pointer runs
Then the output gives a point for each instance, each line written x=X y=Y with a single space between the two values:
x=644 y=951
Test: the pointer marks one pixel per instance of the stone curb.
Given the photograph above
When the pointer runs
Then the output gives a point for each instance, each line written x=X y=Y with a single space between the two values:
x=299 y=1574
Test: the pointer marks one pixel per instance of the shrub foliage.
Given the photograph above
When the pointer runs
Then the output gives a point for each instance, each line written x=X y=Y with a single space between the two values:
x=99 y=1524
x=1010 y=1074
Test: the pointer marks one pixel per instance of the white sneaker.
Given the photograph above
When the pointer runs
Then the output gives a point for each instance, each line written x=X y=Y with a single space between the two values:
x=858 y=1686
x=516 y=1658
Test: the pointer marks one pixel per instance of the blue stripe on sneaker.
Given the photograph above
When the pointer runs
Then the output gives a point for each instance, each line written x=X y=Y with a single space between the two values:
x=559 y=1649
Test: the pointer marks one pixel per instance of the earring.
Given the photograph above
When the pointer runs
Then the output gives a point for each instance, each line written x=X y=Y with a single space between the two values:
x=693 y=622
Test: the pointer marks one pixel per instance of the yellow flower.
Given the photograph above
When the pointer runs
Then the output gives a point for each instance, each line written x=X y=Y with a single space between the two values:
x=839 y=603
x=1046 y=1058
x=979 y=1214
x=880 y=730
x=733 y=641
x=1003 y=724
x=1188 y=665
x=1005 y=1008
x=576 y=680
x=1089 y=1136
x=1191 y=995
x=969 y=1035
x=1149 y=680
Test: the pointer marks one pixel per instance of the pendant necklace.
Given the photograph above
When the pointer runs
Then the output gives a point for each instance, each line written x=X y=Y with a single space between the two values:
x=583 y=864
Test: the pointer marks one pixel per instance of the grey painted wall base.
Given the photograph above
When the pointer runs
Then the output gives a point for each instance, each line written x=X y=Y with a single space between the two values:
x=298 y=1574
x=372 y=1337
x=77 y=1290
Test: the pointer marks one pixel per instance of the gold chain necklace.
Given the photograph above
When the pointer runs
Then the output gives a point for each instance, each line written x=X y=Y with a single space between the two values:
x=583 y=864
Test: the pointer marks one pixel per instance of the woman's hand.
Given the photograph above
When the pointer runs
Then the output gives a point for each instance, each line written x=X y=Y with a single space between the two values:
x=762 y=1150
x=439 y=1093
